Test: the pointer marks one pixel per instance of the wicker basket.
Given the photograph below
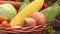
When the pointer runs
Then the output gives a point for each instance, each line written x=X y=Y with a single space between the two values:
x=25 y=30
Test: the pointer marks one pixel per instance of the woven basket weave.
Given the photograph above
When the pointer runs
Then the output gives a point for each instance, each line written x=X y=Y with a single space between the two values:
x=25 y=30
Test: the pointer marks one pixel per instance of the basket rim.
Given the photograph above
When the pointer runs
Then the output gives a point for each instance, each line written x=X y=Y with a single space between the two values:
x=35 y=29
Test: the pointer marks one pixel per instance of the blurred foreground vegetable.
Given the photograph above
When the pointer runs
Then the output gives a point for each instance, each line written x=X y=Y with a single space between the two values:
x=34 y=6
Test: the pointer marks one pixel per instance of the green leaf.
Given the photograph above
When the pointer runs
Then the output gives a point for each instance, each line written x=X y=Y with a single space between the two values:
x=56 y=2
x=17 y=0
x=51 y=30
x=51 y=12
x=24 y=4
x=57 y=20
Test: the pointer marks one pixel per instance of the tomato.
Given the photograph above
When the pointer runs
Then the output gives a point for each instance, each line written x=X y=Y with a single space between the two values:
x=45 y=6
x=7 y=26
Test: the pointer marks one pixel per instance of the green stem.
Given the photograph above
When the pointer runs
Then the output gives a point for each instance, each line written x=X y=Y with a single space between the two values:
x=57 y=20
x=49 y=3
x=51 y=30
x=17 y=0
x=59 y=3
x=56 y=2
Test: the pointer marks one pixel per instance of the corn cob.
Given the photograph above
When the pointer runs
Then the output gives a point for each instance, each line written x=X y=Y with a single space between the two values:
x=34 y=6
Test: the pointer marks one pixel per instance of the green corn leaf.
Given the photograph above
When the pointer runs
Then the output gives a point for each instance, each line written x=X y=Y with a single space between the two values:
x=24 y=4
x=51 y=12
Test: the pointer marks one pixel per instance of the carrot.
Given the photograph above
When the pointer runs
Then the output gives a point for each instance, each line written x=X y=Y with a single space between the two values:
x=3 y=19
x=15 y=4
x=4 y=23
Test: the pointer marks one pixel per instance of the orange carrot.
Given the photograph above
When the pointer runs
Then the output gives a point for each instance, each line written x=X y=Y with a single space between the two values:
x=3 y=19
x=4 y=23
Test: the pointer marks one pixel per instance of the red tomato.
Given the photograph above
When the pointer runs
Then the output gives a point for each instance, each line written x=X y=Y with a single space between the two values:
x=7 y=26
x=45 y=6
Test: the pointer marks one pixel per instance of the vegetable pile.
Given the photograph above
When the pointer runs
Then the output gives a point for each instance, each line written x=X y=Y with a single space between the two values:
x=27 y=14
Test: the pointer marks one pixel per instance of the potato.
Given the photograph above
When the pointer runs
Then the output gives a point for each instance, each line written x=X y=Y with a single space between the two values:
x=30 y=22
x=39 y=17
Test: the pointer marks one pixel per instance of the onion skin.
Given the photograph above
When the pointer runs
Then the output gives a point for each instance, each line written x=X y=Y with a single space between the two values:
x=30 y=22
x=39 y=17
